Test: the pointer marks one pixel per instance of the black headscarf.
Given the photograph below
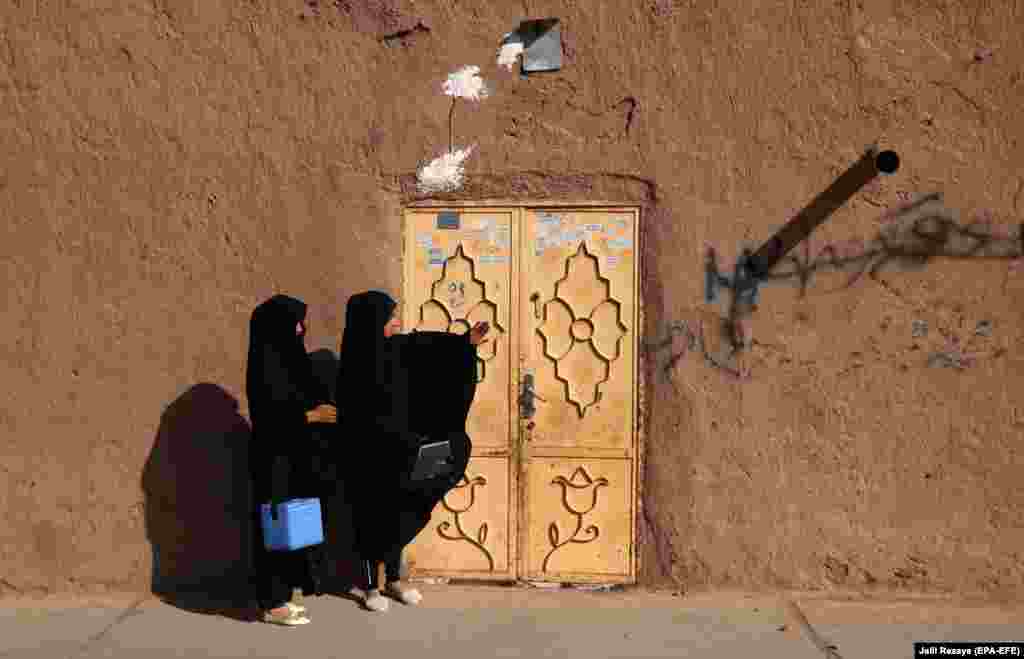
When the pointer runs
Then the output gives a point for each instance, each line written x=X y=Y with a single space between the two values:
x=392 y=394
x=366 y=369
x=279 y=380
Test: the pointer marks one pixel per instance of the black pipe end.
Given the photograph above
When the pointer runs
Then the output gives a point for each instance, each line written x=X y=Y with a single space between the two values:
x=887 y=162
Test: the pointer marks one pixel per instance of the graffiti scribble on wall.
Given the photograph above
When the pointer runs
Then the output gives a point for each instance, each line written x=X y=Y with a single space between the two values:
x=912 y=234
x=681 y=338
x=446 y=173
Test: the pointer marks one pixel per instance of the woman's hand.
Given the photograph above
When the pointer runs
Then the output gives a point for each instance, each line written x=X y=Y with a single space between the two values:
x=322 y=414
x=479 y=331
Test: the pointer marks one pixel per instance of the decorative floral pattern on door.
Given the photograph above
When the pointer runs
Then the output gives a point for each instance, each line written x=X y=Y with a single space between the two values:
x=458 y=300
x=580 y=480
x=444 y=529
x=582 y=327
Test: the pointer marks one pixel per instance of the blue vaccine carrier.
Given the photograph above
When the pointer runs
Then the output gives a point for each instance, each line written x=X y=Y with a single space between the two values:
x=299 y=524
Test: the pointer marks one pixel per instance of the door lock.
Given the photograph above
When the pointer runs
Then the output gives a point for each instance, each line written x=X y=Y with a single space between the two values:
x=527 y=395
x=535 y=298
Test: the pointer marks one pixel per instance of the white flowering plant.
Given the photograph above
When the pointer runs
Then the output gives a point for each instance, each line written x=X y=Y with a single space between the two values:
x=446 y=172
x=466 y=83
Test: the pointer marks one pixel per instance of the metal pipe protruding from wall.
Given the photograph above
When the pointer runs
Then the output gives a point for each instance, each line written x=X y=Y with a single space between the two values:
x=862 y=172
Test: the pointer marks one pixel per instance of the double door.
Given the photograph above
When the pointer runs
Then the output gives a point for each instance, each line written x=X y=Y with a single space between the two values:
x=551 y=489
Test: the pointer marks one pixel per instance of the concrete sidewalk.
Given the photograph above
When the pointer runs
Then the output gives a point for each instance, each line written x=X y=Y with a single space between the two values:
x=481 y=622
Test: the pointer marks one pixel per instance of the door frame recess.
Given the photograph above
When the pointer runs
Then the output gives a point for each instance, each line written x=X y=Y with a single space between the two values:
x=640 y=367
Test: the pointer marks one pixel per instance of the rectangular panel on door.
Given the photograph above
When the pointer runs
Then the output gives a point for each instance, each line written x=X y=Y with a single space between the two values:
x=579 y=328
x=458 y=271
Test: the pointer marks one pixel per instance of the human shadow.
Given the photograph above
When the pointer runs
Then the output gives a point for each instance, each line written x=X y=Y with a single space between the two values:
x=198 y=504
x=342 y=560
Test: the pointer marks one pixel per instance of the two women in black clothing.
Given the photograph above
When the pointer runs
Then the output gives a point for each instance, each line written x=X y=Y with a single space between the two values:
x=380 y=429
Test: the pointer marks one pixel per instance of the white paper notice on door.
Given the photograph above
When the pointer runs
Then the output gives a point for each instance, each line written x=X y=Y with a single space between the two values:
x=501 y=237
x=572 y=237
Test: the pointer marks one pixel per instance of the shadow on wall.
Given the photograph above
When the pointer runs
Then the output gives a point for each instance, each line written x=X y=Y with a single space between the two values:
x=198 y=497
x=197 y=491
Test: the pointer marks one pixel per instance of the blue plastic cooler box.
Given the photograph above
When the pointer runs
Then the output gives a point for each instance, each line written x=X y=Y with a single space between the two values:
x=298 y=524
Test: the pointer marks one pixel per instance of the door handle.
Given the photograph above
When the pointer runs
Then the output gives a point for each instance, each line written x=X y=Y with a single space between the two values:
x=527 y=396
x=535 y=298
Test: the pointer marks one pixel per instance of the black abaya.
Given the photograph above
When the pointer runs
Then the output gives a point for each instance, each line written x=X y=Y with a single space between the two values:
x=281 y=388
x=393 y=394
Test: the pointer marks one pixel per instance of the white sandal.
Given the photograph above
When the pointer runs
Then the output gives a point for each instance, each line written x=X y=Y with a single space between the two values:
x=410 y=596
x=291 y=620
x=375 y=601
x=296 y=609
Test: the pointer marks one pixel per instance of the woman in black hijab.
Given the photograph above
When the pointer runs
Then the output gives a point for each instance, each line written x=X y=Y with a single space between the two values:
x=396 y=392
x=284 y=398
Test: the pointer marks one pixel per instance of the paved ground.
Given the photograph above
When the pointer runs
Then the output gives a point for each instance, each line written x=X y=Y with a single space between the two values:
x=483 y=622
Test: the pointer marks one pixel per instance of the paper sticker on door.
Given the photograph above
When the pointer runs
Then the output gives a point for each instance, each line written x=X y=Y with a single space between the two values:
x=572 y=237
x=448 y=221
x=619 y=224
x=501 y=237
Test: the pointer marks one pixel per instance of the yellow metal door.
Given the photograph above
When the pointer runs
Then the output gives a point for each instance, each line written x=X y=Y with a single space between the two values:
x=578 y=460
x=550 y=492
x=459 y=270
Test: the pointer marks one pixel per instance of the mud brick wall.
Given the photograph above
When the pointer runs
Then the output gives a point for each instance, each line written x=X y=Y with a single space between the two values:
x=167 y=164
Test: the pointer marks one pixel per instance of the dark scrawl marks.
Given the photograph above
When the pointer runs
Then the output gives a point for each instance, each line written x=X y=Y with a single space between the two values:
x=681 y=338
x=405 y=37
x=632 y=107
x=912 y=235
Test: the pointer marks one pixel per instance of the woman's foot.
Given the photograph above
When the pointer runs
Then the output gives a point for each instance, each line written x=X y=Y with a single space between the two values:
x=409 y=596
x=297 y=609
x=375 y=601
x=284 y=615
